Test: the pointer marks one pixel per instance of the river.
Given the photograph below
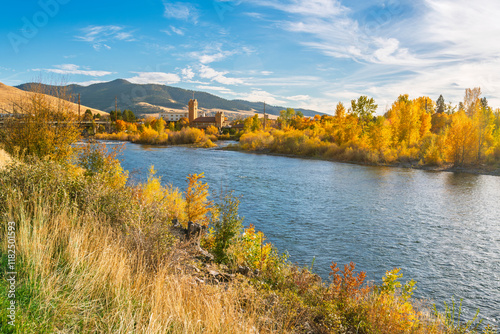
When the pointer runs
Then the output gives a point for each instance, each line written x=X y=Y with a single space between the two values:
x=442 y=229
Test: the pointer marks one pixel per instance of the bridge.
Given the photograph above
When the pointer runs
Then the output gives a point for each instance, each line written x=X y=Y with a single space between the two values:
x=84 y=124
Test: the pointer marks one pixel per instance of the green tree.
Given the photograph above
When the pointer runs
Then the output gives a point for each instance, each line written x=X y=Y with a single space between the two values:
x=115 y=115
x=129 y=116
x=88 y=115
x=440 y=105
x=286 y=116
x=364 y=108
x=227 y=225
x=256 y=124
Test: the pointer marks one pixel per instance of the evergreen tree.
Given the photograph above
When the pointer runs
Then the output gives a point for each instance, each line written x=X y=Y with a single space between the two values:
x=440 y=105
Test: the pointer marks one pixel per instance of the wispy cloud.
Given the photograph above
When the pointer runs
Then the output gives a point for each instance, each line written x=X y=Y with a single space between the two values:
x=220 y=89
x=258 y=95
x=175 y=30
x=431 y=47
x=207 y=72
x=66 y=69
x=86 y=83
x=155 y=78
x=99 y=35
x=180 y=11
x=214 y=53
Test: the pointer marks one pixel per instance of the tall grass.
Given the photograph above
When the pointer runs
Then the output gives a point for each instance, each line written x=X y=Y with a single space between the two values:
x=5 y=158
x=78 y=274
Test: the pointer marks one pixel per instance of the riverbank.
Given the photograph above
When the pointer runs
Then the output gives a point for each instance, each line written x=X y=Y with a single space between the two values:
x=95 y=254
x=478 y=170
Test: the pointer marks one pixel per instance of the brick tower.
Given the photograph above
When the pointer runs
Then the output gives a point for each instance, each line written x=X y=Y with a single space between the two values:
x=193 y=110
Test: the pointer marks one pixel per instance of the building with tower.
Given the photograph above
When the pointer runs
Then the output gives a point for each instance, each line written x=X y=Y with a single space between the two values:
x=193 y=109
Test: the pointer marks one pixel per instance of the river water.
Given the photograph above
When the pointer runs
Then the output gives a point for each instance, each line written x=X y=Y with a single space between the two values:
x=442 y=229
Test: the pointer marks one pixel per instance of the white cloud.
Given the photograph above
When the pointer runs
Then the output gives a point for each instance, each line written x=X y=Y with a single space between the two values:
x=207 y=57
x=177 y=30
x=299 y=98
x=98 y=35
x=258 y=95
x=220 y=77
x=180 y=11
x=427 y=47
x=214 y=53
x=86 y=83
x=216 y=88
x=155 y=78
x=319 y=8
x=187 y=73
x=73 y=69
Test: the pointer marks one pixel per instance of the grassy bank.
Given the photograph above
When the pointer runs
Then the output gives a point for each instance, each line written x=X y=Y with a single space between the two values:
x=4 y=158
x=151 y=137
x=94 y=255
x=479 y=170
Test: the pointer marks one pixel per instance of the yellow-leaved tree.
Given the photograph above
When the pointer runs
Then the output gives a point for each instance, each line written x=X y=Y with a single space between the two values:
x=43 y=125
x=197 y=204
x=461 y=139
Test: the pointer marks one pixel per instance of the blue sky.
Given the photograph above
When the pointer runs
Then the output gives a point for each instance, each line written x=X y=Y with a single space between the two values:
x=297 y=53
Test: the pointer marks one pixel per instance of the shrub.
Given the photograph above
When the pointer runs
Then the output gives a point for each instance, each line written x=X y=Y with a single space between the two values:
x=225 y=227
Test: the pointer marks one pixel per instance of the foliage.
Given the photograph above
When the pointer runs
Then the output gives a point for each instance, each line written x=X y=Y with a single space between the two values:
x=453 y=322
x=413 y=131
x=363 y=108
x=225 y=227
x=197 y=203
x=43 y=127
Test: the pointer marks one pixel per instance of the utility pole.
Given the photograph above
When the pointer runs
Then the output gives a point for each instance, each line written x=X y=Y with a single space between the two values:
x=116 y=107
x=79 y=109
x=264 y=116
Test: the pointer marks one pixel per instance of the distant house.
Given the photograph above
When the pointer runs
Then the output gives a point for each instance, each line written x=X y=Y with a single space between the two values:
x=173 y=116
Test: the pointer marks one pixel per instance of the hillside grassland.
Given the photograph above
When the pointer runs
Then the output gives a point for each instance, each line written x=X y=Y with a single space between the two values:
x=11 y=95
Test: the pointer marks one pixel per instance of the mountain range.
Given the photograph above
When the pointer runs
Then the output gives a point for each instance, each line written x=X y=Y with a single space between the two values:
x=151 y=99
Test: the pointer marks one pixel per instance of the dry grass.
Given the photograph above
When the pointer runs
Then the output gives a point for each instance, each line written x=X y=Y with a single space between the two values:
x=9 y=94
x=84 y=280
x=5 y=158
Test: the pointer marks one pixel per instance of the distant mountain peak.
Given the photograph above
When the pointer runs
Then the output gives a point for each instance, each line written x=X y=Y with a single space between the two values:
x=119 y=81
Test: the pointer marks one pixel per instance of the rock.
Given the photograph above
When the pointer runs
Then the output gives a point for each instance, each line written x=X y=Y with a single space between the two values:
x=194 y=268
x=204 y=255
x=214 y=273
x=243 y=270
x=195 y=230
x=199 y=280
